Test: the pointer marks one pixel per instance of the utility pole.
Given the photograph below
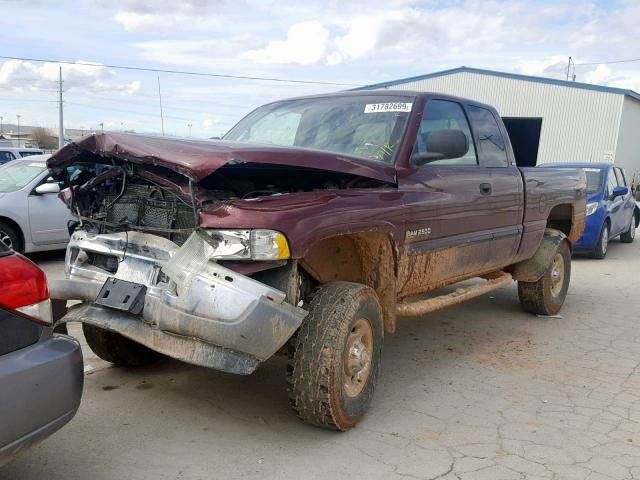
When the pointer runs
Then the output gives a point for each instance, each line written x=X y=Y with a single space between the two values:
x=160 y=99
x=569 y=75
x=61 y=122
x=19 y=143
x=102 y=126
x=189 y=125
x=121 y=127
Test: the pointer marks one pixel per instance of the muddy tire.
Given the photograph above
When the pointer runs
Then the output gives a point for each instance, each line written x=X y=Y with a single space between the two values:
x=601 y=248
x=630 y=235
x=546 y=296
x=10 y=237
x=335 y=356
x=116 y=349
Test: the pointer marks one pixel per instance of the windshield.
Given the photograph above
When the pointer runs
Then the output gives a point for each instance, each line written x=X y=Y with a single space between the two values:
x=15 y=175
x=369 y=127
x=594 y=180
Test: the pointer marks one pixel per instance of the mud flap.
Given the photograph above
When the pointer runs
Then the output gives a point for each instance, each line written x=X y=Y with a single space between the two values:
x=533 y=269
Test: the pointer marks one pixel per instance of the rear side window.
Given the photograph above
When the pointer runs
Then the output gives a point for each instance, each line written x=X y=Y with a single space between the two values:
x=445 y=115
x=6 y=156
x=492 y=151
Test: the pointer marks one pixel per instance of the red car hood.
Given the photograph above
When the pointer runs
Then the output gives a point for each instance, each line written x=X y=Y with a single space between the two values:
x=197 y=159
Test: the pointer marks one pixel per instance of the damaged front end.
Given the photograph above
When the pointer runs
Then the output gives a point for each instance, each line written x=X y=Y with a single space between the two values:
x=213 y=316
x=142 y=265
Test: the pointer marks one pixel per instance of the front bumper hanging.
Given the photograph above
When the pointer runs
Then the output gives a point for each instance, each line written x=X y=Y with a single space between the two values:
x=213 y=316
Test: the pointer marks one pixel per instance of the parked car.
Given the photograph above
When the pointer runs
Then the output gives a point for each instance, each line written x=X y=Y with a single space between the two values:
x=313 y=223
x=611 y=208
x=32 y=218
x=41 y=373
x=11 y=153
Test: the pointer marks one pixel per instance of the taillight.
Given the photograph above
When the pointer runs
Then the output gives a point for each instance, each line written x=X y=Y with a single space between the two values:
x=23 y=288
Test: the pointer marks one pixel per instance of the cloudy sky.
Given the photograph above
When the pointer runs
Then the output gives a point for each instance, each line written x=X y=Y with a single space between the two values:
x=348 y=42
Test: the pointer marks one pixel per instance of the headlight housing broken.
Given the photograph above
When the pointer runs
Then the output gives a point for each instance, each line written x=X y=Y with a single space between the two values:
x=256 y=244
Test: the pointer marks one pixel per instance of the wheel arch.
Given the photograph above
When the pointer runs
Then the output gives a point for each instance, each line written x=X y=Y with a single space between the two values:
x=368 y=258
x=564 y=218
x=13 y=224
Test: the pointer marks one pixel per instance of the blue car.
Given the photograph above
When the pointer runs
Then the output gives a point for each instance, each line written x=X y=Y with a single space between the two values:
x=611 y=208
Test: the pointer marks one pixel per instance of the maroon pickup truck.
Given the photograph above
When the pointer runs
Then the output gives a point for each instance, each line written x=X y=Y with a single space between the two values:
x=308 y=230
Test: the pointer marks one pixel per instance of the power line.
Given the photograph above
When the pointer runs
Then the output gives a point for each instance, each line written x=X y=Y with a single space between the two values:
x=607 y=63
x=185 y=72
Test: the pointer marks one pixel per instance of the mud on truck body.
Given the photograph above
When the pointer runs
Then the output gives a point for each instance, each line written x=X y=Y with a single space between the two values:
x=308 y=229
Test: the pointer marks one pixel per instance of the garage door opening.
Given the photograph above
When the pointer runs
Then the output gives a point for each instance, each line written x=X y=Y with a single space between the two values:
x=524 y=134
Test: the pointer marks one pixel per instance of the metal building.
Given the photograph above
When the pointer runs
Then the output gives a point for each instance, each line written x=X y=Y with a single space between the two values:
x=548 y=120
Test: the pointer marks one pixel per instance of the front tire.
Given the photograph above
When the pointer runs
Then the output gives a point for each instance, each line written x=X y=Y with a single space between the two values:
x=335 y=360
x=116 y=349
x=10 y=237
x=600 y=250
x=547 y=295
x=630 y=235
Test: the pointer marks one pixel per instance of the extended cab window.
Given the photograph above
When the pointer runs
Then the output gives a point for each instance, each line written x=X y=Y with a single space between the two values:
x=492 y=151
x=444 y=115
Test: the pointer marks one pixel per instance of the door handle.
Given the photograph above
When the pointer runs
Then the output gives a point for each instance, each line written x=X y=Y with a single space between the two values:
x=485 y=188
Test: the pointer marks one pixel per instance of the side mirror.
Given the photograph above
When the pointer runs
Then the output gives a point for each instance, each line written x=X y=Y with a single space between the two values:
x=47 y=188
x=619 y=192
x=442 y=145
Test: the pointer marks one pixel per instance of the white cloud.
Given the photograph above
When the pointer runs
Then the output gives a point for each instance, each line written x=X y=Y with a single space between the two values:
x=553 y=66
x=162 y=16
x=306 y=44
x=18 y=75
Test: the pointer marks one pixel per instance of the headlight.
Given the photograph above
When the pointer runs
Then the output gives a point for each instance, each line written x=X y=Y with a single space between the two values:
x=591 y=208
x=250 y=245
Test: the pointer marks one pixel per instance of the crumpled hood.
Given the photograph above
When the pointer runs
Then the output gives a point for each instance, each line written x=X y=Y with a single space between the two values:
x=197 y=159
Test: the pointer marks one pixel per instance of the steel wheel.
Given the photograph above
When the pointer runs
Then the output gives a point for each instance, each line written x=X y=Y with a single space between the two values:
x=357 y=358
x=557 y=274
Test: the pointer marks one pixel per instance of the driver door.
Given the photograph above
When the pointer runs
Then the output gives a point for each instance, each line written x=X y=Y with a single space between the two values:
x=446 y=207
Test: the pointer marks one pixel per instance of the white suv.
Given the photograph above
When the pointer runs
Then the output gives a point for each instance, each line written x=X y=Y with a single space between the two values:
x=11 y=153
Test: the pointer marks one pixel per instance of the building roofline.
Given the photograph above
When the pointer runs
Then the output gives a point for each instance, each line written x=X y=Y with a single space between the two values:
x=515 y=76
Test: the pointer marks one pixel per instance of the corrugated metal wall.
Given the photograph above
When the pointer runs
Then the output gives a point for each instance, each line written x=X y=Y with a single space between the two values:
x=628 y=151
x=577 y=125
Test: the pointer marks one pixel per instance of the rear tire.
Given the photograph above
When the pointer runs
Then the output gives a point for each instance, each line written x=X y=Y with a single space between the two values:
x=10 y=237
x=600 y=250
x=547 y=295
x=335 y=360
x=629 y=235
x=116 y=349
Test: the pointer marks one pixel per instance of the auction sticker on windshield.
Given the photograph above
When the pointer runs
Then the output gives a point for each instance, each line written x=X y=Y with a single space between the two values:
x=387 y=107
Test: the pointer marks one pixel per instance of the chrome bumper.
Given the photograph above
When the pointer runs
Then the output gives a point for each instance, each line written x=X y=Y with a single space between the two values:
x=218 y=319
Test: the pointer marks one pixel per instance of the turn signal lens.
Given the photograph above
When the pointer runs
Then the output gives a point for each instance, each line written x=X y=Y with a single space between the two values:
x=269 y=245
x=591 y=208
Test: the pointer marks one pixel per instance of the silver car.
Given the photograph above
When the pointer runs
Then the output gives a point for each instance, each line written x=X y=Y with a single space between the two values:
x=32 y=217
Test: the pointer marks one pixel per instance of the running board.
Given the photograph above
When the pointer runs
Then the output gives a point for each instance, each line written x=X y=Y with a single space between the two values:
x=422 y=307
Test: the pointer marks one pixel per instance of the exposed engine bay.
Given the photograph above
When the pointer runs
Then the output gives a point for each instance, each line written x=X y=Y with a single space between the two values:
x=122 y=196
